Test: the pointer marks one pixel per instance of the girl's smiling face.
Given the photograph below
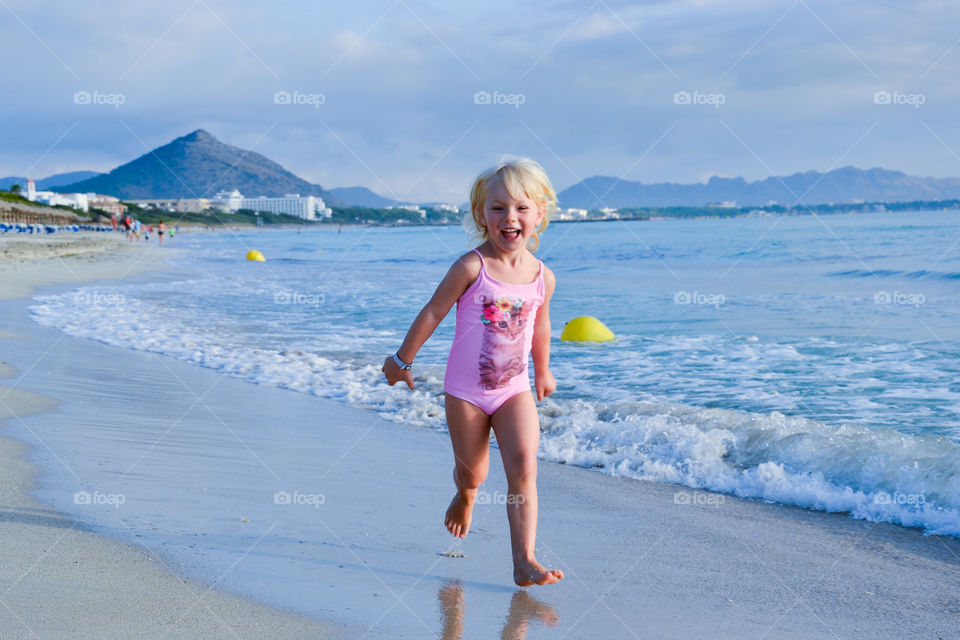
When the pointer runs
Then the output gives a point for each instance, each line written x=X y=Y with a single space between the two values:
x=510 y=222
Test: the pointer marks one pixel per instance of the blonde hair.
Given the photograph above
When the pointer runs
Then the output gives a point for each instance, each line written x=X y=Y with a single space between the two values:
x=522 y=177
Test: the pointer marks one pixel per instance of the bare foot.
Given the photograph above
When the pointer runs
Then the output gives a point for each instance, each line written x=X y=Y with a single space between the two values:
x=526 y=574
x=460 y=511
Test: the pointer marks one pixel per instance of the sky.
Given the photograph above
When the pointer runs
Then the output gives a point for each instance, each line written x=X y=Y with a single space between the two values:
x=412 y=99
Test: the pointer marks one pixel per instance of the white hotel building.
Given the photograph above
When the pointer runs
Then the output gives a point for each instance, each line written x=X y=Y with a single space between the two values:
x=76 y=200
x=308 y=208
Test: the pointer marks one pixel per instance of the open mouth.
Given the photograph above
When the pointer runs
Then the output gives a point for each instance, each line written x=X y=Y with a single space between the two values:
x=510 y=233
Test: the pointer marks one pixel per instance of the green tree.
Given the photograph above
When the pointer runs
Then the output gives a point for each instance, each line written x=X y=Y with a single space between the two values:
x=15 y=188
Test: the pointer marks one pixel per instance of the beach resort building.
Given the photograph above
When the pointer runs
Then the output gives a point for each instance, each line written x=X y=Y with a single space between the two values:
x=52 y=198
x=106 y=203
x=164 y=204
x=308 y=208
x=192 y=205
x=227 y=201
x=183 y=205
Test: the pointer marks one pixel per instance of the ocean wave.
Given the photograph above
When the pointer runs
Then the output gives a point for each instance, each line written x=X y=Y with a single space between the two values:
x=921 y=274
x=879 y=475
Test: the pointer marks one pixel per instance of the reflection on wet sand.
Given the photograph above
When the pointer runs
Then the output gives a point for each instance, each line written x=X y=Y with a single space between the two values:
x=523 y=609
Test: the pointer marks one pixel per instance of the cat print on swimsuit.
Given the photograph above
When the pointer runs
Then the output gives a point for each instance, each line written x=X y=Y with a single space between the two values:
x=501 y=352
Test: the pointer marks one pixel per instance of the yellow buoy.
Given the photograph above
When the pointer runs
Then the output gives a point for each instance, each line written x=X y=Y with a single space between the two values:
x=586 y=329
x=256 y=256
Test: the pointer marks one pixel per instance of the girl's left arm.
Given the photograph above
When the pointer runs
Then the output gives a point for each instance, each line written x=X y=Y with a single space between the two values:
x=542 y=378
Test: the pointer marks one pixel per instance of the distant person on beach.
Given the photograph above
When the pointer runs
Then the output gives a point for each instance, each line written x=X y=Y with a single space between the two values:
x=128 y=227
x=136 y=229
x=502 y=292
x=161 y=229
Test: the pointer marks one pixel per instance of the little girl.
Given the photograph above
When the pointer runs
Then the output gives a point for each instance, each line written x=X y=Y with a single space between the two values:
x=502 y=294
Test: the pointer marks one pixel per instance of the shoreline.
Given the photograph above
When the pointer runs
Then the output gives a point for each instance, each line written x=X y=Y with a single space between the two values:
x=638 y=556
x=30 y=262
x=63 y=580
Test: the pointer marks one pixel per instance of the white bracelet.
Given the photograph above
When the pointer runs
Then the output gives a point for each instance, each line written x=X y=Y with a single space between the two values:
x=400 y=363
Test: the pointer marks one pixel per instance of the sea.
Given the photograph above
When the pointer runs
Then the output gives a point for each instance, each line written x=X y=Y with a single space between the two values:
x=809 y=360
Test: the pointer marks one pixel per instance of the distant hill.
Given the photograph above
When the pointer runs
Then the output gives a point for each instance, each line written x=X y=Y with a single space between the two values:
x=45 y=184
x=362 y=197
x=197 y=165
x=840 y=185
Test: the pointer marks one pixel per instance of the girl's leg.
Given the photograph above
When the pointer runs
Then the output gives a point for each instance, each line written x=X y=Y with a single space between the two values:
x=470 y=434
x=517 y=427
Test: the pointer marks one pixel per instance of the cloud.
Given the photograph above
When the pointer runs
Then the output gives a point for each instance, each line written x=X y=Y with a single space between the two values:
x=399 y=82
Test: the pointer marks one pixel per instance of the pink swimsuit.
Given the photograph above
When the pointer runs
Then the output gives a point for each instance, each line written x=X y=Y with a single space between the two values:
x=488 y=360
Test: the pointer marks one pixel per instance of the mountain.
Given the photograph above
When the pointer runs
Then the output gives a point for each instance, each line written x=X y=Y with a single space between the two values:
x=362 y=197
x=49 y=182
x=196 y=165
x=840 y=185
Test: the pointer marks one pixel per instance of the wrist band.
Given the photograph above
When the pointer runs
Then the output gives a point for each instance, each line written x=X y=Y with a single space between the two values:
x=400 y=363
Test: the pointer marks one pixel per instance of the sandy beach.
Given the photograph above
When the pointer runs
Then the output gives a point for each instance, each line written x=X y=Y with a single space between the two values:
x=642 y=559
x=64 y=258
x=58 y=579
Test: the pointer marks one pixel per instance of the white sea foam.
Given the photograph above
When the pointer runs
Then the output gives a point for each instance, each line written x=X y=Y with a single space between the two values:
x=879 y=475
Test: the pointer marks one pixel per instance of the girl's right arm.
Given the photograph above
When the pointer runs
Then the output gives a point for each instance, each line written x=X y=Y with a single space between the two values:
x=460 y=276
